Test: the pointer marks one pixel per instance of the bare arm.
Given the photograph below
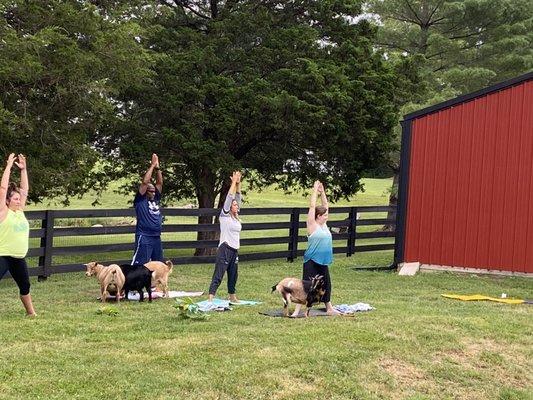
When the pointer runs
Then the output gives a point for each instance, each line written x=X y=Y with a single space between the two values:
x=148 y=175
x=159 y=180
x=24 y=183
x=311 y=222
x=323 y=198
x=4 y=183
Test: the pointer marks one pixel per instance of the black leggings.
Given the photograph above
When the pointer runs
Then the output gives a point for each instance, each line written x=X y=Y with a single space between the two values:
x=311 y=269
x=18 y=269
x=227 y=260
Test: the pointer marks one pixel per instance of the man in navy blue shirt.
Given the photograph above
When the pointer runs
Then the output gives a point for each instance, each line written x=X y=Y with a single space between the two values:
x=148 y=245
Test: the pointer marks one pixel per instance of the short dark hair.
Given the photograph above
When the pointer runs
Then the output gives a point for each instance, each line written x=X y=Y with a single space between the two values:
x=320 y=210
x=11 y=189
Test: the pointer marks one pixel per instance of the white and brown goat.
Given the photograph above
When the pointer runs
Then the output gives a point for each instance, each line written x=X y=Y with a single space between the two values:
x=294 y=290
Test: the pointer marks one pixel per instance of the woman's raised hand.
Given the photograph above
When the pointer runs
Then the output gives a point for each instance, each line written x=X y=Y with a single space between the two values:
x=316 y=186
x=11 y=159
x=155 y=161
x=320 y=188
x=236 y=177
x=21 y=162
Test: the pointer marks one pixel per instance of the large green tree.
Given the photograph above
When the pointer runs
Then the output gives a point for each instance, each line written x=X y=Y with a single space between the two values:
x=61 y=64
x=460 y=45
x=453 y=47
x=287 y=91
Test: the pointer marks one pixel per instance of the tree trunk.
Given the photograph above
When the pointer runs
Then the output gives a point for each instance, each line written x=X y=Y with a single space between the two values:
x=393 y=201
x=206 y=195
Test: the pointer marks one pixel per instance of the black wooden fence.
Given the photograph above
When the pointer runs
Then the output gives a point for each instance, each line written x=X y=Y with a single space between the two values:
x=348 y=224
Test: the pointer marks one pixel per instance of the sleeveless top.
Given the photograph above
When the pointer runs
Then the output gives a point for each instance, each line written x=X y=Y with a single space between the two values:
x=320 y=246
x=14 y=234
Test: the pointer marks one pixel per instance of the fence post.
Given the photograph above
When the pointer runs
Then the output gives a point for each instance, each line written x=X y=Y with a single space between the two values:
x=47 y=242
x=352 y=232
x=293 y=234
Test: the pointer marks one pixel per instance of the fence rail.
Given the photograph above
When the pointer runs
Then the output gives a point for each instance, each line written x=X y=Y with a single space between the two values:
x=48 y=226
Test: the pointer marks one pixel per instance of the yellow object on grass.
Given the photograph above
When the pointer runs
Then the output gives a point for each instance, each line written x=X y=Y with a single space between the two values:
x=474 y=297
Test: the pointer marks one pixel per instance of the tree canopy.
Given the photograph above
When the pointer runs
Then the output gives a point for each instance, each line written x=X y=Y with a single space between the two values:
x=287 y=91
x=61 y=64
x=459 y=46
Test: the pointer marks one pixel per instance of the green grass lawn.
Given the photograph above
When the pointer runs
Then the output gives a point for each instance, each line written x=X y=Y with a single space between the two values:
x=415 y=345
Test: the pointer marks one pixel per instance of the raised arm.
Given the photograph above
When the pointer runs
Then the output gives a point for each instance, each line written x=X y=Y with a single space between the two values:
x=311 y=222
x=322 y=194
x=158 y=177
x=24 y=183
x=232 y=192
x=148 y=175
x=4 y=184
x=238 y=197
x=159 y=180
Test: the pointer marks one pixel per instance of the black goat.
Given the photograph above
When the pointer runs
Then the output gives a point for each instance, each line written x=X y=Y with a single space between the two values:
x=137 y=278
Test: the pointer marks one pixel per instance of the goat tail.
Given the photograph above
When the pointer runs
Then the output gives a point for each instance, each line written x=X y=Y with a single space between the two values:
x=274 y=288
x=113 y=276
x=169 y=265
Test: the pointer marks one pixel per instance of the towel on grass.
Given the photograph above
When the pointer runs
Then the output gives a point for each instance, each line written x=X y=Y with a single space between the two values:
x=245 y=303
x=477 y=297
x=223 y=305
x=156 y=295
x=353 y=308
x=215 y=305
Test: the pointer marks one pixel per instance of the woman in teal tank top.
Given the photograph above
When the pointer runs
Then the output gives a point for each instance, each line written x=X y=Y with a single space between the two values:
x=319 y=253
x=15 y=230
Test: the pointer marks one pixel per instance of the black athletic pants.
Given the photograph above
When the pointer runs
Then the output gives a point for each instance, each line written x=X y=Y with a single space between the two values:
x=227 y=260
x=311 y=269
x=18 y=269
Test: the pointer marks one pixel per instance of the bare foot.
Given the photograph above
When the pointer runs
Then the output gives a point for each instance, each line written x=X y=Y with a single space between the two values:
x=233 y=299
x=333 y=312
x=33 y=315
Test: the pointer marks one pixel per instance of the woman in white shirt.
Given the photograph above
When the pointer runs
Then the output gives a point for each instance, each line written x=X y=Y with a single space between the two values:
x=229 y=243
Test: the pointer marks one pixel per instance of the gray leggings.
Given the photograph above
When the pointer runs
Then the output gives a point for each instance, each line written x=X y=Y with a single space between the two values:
x=18 y=269
x=227 y=260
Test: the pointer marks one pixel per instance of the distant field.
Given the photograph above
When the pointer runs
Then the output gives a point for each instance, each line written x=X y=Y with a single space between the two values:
x=376 y=193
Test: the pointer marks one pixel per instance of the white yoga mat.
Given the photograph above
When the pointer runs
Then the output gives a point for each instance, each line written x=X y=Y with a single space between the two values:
x=156 y=295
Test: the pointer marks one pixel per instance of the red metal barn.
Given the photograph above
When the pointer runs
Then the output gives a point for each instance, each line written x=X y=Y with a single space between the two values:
x=466 y=181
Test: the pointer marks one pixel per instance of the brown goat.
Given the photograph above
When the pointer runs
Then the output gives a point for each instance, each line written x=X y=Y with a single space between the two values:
x=300 y=292
x=111 y=279
x=160 y=273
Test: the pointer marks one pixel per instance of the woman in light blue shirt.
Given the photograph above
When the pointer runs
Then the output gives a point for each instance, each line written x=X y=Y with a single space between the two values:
x=319 y=253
